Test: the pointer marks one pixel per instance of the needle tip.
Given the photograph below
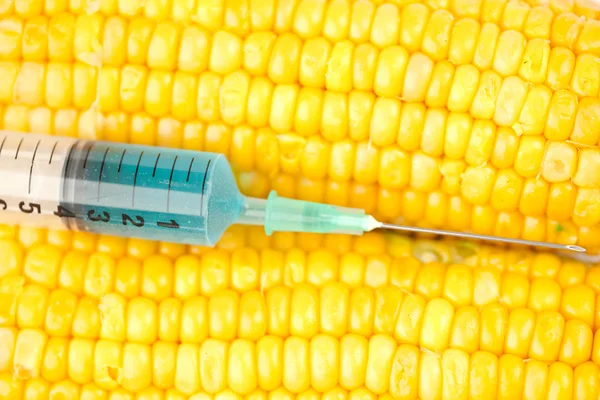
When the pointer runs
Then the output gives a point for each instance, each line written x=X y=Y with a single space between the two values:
x=578 y=249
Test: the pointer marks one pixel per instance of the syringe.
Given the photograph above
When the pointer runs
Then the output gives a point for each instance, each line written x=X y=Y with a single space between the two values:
x=155 y=193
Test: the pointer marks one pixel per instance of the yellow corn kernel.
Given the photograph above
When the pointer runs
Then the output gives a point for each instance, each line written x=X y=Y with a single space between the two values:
x=494 y=326
x=511 y=379
x=391 y=69
x=484 y=102
x=32 y=305
x=481 y=143
x=440 y=84
x=432 y=137
x=585 y=381
x=253 y=324
x=413 y=21
x=324 y=358
x=37 y=389
x=576 y=347
x=512 y=96
x=418 y=76
x=587 y=208
x=137 y=365
x=455 y=364
x=530 y=156
x=223 y=309
x=437 y=325
x=309 y=108
x=561 y=201
x=586 y=76
x=463 y=41
x=80 y=360
x=41 y=265
x=404 y=373
x=484 y=375
x=379 y=364
x=334 y=117
x=278 y=309
x=436 y=38
x=86 y=322
x=487 y=47
x=142 y=320
x=304 y=312
x=286 y=48
x=535 y=110
x=587 y=125
x=560 y=381
x=296 y=353
x=465 y=330
x=364 y=66
x=313 y=62
x=561 y=65
x=362 y=306
x=213 y=365
x=534 y=62
x=561 y=117
x=477 y=184
x=169 y=311
x=412 y=122
x=385 y=121
x=339 y=72
x=430 y=367
x=429 y=169
x=544 y=295
x=65 y=389
x=164 y=364
x=429 y=280
x=337 y=20
x=187 y=378
x=559 y=162
x=283 y=105
x=589 y=161
x=99 y=276
x=366 y=163
x=194 y=315
x=308 y=20
x=464 y=88
x=384 y=31
x=28 y=353
x=547 y=336
x=269 y=357
x=54 y=364
x=127 y=277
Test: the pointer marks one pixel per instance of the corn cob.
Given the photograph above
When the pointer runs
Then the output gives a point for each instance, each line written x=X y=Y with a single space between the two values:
x=446 y=168
x=493 y=314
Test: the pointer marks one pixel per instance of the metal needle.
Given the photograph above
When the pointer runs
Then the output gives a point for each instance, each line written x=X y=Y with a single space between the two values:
x=570 y=247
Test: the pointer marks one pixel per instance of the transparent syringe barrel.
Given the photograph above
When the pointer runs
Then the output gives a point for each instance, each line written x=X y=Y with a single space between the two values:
x=125 y=190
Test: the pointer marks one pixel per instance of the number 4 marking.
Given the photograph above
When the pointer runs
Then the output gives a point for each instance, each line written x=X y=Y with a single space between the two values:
x=172 y=224
x=62 y=212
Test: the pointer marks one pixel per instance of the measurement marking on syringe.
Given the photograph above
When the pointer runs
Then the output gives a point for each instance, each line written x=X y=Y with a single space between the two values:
x=31 y=166
x=121 y=162
x=18 y=148
x=170 y=180
x=66 y=173
x=52 y=153
x=101 y=170
x=2 y=145
x=190 y=170
x=137 y=168
x=203 y=185
x=87 y=155
x=155 y=164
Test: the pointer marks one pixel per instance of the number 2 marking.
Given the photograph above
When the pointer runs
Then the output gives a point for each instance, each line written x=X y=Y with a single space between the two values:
x=127 y=219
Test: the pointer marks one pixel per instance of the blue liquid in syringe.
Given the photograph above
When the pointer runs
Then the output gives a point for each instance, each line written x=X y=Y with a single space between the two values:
x=147 y=192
